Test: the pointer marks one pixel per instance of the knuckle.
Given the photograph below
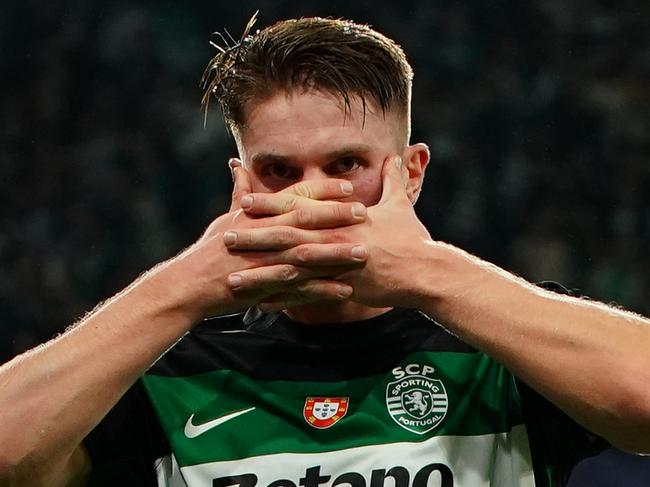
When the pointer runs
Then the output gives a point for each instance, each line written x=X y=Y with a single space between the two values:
x=283 y=237
x=260 y=202
x=341 y=211
x=334 y=187
x=307 y=191
x=336 y=236
x=299 y=189
x=254 y=278
x=341 y=251
x=287 y=205
x=247 y=238
x=303 y=254
x=288 y=273
x=304 y=216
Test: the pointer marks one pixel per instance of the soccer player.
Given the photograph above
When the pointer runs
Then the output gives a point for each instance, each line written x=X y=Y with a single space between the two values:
x=370 y=354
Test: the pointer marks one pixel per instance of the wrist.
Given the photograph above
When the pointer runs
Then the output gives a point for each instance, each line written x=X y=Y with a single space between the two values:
x=458 y=290
x=171 y=294
x=445 y=273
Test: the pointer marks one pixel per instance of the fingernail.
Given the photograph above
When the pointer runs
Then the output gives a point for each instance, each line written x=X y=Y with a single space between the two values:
x=230 y=238
x=358 y=252
x=233 y=163
x=358 y=211
x=246 y=202
x=344 y=291
x=234 y=280
x=346 y=187
x=398 y=162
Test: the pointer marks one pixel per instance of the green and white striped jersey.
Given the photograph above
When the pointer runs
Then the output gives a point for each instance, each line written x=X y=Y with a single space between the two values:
x=393 y=401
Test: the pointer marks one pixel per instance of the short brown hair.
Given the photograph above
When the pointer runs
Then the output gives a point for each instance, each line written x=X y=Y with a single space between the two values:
x=333 y=55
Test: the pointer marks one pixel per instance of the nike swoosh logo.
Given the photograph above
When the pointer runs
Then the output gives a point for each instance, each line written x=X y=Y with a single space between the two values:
x=192 y=430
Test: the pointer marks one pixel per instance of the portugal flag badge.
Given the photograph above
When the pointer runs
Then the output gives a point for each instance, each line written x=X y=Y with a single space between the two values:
x=323 y=412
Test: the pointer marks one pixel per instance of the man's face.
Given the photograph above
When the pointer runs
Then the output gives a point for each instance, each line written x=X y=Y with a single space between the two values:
x=305 y=136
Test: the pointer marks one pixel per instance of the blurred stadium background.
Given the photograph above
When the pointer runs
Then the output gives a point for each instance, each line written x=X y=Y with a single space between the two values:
x=537 y=114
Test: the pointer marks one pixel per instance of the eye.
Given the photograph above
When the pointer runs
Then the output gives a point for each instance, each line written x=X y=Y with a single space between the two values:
x=280 y=171
x=344 y=165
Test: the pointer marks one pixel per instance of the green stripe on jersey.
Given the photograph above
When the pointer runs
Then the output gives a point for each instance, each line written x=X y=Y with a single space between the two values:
x=480 y=399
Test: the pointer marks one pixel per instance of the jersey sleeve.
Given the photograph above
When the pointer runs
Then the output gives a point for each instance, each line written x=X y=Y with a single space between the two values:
x=126 y=444
x=557 y=442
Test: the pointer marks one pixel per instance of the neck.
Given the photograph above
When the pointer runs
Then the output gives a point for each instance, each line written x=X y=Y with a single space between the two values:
x=344 y=312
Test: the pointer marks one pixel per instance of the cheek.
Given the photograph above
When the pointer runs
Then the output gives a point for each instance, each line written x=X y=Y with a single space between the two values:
x=367 y=187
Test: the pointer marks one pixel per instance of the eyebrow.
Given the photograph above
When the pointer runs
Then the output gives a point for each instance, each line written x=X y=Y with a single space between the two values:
x=266 y=157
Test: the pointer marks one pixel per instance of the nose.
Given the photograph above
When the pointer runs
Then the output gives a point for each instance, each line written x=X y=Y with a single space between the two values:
x=314 y=174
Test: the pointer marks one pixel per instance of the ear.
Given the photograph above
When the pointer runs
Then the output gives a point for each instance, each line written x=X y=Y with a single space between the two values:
x=415 y=160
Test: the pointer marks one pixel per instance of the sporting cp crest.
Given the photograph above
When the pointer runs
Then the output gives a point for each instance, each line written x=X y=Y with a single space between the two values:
x=323 y=412
x=417 y=403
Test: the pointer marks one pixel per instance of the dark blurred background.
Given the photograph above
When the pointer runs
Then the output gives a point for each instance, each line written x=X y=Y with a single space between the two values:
x=537 y=114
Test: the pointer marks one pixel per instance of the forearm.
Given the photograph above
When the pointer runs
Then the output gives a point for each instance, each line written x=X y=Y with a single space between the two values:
x=52 y=396
x=591 y=360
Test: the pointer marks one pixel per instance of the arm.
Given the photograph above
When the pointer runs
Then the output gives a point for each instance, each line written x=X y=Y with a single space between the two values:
x=53 y=396
x=591 y=360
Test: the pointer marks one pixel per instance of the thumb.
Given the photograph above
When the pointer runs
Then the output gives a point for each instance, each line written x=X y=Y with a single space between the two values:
x=241 y=183
x=392 y=179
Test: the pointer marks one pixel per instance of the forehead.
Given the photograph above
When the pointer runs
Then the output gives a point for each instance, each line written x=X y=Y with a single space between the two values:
x=302 y=124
